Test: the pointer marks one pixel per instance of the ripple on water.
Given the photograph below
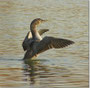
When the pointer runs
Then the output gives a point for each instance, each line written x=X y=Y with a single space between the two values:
x=63 y=68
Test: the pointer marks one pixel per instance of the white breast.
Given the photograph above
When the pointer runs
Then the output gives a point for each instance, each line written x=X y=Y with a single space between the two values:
x=38 y=37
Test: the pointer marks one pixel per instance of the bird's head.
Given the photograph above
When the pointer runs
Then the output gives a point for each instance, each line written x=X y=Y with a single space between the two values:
x=37 y=21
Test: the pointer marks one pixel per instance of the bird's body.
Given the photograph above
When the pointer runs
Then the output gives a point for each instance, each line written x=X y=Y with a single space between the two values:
x=34 y=44
x=29 y=39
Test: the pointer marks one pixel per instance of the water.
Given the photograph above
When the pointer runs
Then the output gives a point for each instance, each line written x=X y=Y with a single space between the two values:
x=62 y=68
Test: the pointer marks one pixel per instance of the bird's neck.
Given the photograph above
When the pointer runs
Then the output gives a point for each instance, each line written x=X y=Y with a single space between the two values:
x=34 y=32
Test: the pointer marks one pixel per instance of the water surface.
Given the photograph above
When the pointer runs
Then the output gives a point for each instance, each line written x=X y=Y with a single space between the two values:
x=62 y=68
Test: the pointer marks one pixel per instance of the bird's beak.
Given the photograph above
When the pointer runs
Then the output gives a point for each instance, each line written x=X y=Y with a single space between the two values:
x=44 y=20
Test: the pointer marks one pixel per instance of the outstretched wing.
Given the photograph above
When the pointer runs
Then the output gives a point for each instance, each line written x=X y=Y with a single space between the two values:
x=51 y=42
x=41 y=31
x=47 y=43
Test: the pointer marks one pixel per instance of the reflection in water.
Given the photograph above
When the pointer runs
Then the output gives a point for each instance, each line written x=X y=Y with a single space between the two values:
x=32 y=67
x=55 y=76
x=35 y=70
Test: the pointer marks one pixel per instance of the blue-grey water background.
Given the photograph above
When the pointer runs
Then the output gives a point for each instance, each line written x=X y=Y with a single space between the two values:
x=57 y=68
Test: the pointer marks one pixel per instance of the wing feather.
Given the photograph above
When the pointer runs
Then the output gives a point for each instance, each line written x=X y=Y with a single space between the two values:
x=42 y=31
x=51 y=42
x=25 y=43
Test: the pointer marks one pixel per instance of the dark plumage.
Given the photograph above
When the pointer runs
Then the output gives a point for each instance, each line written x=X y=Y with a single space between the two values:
x=28 y=39
x=36 y=45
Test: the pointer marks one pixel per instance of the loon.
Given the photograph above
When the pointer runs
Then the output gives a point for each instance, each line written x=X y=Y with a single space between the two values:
x=34 y=44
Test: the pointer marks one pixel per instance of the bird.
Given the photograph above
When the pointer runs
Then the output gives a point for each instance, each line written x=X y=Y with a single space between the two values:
x=36 y=44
